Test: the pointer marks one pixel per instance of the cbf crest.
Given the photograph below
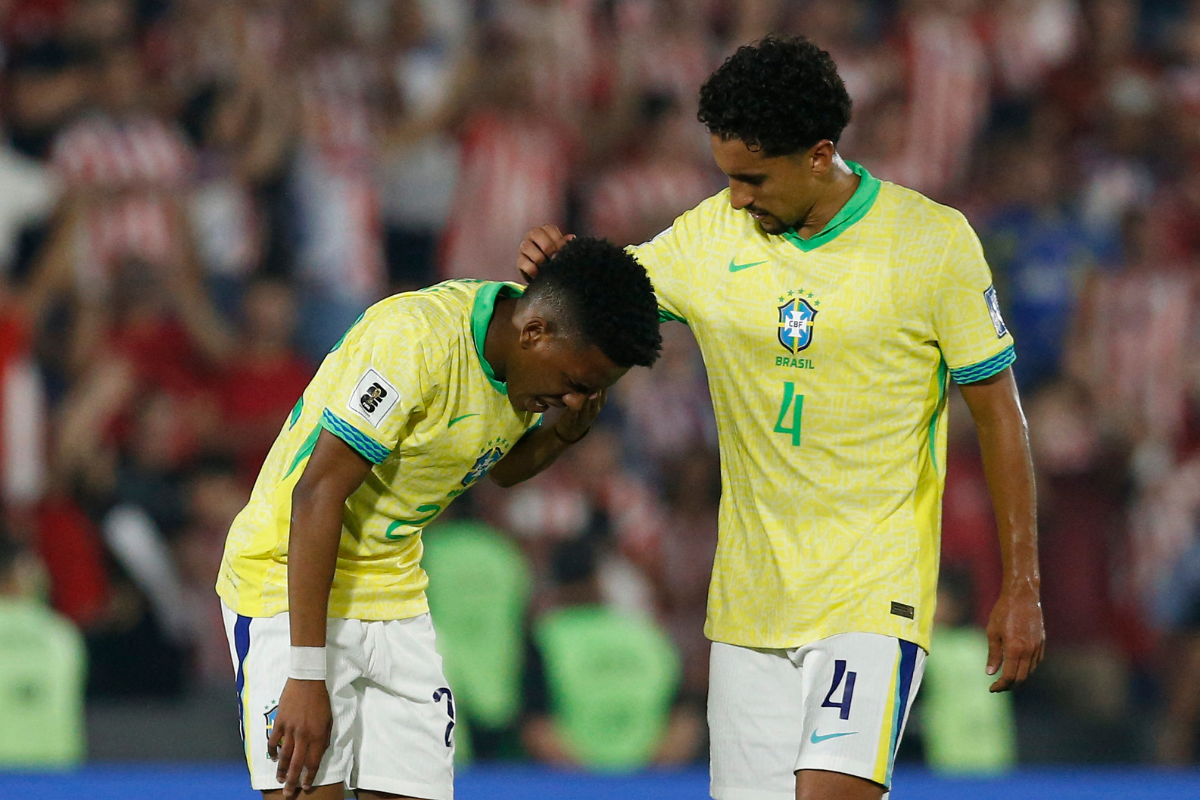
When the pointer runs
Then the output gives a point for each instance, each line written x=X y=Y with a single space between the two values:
x=493 y=451
x=796 y=317
x=270 y=715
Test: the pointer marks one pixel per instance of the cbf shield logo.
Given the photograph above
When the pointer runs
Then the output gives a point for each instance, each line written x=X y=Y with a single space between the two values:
x=795 y=324
x=270 y=716
x=482 y=464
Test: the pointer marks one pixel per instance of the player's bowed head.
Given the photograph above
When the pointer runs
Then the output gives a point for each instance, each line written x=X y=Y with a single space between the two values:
x=587 y=317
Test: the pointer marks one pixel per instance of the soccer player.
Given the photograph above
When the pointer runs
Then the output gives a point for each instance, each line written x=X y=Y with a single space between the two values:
x=323 y=592
x=831 y=308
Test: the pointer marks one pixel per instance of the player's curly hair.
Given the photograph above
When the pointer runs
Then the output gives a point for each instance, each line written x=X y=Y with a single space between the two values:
x=780 y=95
x=607 y=298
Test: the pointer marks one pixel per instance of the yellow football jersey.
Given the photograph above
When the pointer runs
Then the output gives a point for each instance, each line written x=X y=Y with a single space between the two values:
x=828 y=361
x=409 y=389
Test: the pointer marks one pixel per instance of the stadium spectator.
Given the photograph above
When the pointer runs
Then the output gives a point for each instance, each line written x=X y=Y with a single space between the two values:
x=263 y=380
x=42 y=669
x=601 y=685
x=964 y=729
x=323 y=136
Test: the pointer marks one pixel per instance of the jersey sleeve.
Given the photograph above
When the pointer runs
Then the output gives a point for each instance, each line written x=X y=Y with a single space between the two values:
x=383 y=382
x=970 y=331
x=669 y=259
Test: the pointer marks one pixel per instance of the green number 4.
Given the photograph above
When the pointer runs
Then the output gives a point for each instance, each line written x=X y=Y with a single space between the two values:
x=794 y=402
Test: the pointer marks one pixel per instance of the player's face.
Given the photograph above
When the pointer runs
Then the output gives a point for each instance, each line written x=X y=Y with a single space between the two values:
x=552 y=370
x=777 y=191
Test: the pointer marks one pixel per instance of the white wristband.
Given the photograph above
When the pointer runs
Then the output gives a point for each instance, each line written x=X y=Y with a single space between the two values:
x=307 y=664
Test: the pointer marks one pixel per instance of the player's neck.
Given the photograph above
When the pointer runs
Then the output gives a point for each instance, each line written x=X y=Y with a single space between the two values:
x=836 y=191
x=499 y=339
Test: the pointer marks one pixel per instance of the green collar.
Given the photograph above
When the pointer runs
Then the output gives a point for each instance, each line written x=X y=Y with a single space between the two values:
x=481 y=315
x=855 y=209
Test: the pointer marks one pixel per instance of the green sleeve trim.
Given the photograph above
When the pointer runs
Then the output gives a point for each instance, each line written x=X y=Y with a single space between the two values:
x=937 y=410
x=341 y=339
x=306 y=448
x=366 y=447
x=296 y=410
x=985 y=369
x=667 y=316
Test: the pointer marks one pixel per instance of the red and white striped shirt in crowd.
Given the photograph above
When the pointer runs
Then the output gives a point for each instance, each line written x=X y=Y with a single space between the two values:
x=22 y=415
x=1029 y=38
x=948 y=85
x=334 y=97
x=514 y=177
x=343 y=248
x=633 y=203
x=133 y=164
x=561 y=36
x=1136 y=333
x=676 y=65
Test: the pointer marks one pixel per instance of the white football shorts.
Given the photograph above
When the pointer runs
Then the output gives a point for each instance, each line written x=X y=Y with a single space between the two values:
x=838 y=704
x=393 y=713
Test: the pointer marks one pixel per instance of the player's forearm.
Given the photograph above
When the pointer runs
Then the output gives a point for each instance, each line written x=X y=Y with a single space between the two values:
x=1008 y=465
x=1009 y=471
x=316 y=529
x=537 y=450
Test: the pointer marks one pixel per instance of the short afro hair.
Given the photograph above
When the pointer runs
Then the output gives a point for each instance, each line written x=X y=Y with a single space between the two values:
x=779 y=96
x=607 y=299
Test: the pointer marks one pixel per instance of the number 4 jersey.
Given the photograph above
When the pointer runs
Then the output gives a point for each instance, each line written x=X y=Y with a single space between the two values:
x=408 y=388
x=828 y=361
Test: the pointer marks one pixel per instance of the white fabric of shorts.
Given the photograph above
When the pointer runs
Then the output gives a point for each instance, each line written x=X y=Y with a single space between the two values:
x=393 y=714
x=838 y=704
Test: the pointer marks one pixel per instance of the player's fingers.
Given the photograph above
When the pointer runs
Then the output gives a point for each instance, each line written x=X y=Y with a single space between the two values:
x=284 y=757
x=273 y=741
x=546 y=241
x=556 y=236
x=533 y=251
x=995 y=652
x=1008 y=669
x=1038 y=652
x=292 y=779
x=1023 y=668
x=1016 y=667
x=312 y=763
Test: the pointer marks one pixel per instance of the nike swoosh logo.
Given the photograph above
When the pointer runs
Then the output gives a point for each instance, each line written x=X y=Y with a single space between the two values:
x=739 y=267
x=450 y=424
x=815 y=739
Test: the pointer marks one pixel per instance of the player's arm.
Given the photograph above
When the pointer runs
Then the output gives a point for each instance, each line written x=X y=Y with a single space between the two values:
x=303 y=723
x=540 y=447
x=1016 y=637
x=667 y=258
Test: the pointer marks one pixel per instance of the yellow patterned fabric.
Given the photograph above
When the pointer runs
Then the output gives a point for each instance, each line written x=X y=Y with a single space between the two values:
x=408 y=388
x=827 y=361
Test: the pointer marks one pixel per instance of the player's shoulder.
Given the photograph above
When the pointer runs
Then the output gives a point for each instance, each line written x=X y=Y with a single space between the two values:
x=711 y=219
x=916 y=213
x=430 y=320
x=431 y=308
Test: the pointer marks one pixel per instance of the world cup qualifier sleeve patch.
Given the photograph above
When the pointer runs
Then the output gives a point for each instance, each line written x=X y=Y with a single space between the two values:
x=373 y=397
x=993 y=304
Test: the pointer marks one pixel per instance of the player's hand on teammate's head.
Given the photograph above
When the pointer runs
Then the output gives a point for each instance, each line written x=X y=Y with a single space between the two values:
x=537 y=246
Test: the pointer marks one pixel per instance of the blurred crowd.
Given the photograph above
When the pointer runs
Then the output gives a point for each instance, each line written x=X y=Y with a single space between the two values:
x=198 y=196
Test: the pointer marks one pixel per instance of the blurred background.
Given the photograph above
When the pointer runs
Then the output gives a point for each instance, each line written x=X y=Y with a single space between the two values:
x=198 y=196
